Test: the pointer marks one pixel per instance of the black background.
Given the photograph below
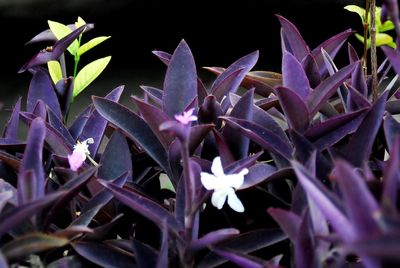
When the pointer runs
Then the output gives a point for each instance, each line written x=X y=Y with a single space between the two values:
x=218 y=32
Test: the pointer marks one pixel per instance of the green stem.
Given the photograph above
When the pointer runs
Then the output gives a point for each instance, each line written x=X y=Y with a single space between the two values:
x=374 y=64
x=63 y=66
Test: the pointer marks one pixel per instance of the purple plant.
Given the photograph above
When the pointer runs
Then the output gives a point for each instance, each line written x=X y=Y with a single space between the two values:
x=307 y=163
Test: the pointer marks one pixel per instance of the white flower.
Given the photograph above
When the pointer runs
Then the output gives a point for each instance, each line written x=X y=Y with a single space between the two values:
x=186 y=117
x=224 y=185
x=79 y=154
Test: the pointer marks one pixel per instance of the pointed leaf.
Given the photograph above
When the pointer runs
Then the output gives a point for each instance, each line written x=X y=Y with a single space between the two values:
x=96 y=124
x=64 y=89
x=264 y=137
x=116 y=158
x=223 y=149
x=356 y=192
x=56 y=123
x=258 y=173
x=27 y=187
x=311 y=69
x=180 y=84
x=143 y=205
x=80 y=122
x=154 y=117
x=213 y=238
x=145 y=255
x=89 y=73
x=60 y=31
x=292 y=40
x=241 y=259
x=359 y=148
x=358 y=80
x=32 y=159
x=54 y=70
x=392 y=129
x=134 y=127
x=287 y=220
x=53 y=53
x=294 y=76
x=353 y=56
x=31 y=244
x=385 y=247
x=162 y=260
x=326 y=202
x=41 y=88
x=295 y=109
x=394 y=57
x=91 y=44
x=154 y=93
x=20 y=214
x=327 y=88
x=102 y=255
x=238 y=143
x=11 y=129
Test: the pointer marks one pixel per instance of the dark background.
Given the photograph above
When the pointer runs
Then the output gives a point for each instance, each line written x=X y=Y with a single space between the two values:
x=218 y=32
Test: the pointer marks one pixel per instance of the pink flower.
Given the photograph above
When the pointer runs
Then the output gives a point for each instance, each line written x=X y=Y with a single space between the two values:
x=186 y=117
x=78 y=156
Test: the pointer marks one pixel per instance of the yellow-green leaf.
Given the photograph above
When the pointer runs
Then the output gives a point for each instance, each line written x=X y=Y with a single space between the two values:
x=54 y=70
x=386 y=26
x=356 y=9
x=165 y=183
x=80 y=22
x=89 y=73
x=360 y=37
x=381 y=40
x=60 y=30
x=91 y=44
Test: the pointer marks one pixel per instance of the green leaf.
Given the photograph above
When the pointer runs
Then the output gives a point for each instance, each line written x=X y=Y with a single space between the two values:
x=382 y=39
x=356 y=9
x=80 y=22
x=89 y=73
x=54 y=70
x=360 y=37
x=60 y=30
x=165 y=182
x=91 y=44
x=386 y=26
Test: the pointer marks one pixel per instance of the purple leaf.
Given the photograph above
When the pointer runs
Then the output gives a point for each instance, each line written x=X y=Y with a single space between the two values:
x=197 y=135
x=358 y=80
x=245 y=243
x=223 y=149
x=262 y=136
x=40 y=110
x=11 y=129
x=391 y=128
x=154 y=117
x=304 y=248
x=238 y=143
x=242 y=259
x=104 y=196
x=154 y=93
x=27 y=187
x=213 y=238
x=3 y=262
x=31 y=244
x=165 y=57
x=356 y=100
x=74 y=261
x=393 y=107
x=80 y=122
x=96 y=125
x=64 y=89
x=294 y=76
x=258 y=173
x=102 y=255
x=237 y=166
x=210 y=111
x=326 y=202
x=10 y=160
x=134 y=127
x=295 y=109
x=54 y=52
x=56 y=123
x=327 y=88
x=394 y=57
x=356 y=192
x=353 y=56
x=145 y=255
x=32 y=159
x=162 y=260
x=245 y=64
x=287 y=220
x=391 y=178
x=332 y=46
x=360 y=146
x=47 y=35
x=72 y=188
x=143 y=205
x=180 y=84
x=311 y=69
x=116 y=158
x=223 y=88
x=292 y=40
x=384 y=246
x=20 y=214
x=57 y=142
x=42 y=88
x=331 y=131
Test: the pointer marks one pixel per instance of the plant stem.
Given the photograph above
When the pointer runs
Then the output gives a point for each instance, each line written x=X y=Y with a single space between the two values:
x=63 y=66
x=366 y=26
x=76 y=59
x=374 y=64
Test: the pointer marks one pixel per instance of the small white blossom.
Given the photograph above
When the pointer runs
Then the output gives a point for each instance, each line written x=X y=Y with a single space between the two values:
x=79 y=154
x=224 y=185
x=186 y=117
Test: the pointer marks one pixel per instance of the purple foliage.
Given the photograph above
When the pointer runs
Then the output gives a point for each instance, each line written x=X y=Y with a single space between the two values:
x=312 y=162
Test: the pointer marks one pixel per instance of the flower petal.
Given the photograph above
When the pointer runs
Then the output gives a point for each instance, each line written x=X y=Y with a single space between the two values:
x=234 y=180
x=218 y=199
x=234 y=202
x=217 y=168
x=76 y=160
x=208 y=180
